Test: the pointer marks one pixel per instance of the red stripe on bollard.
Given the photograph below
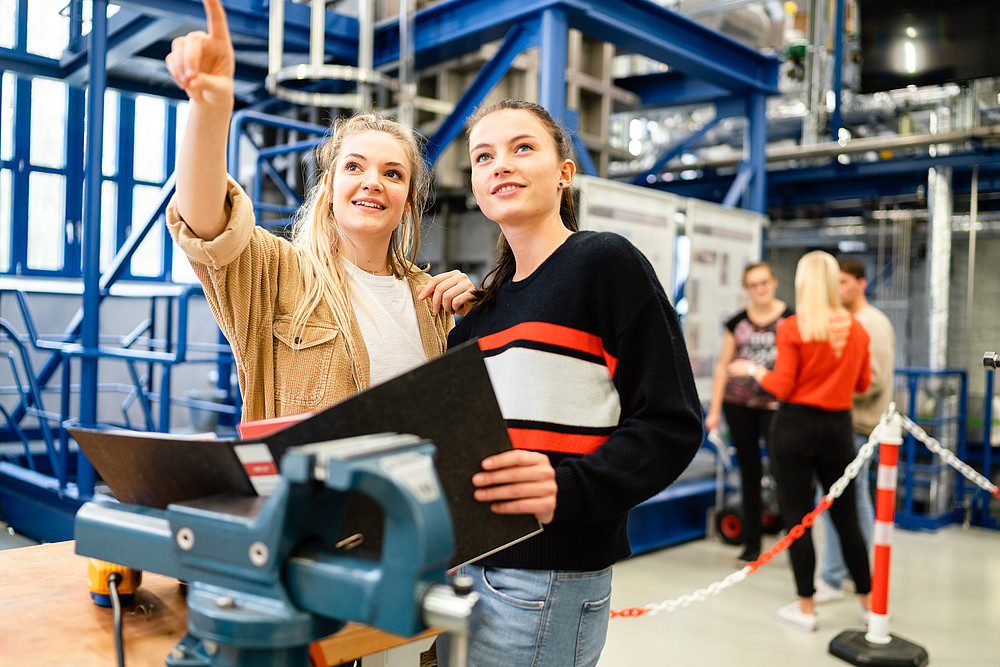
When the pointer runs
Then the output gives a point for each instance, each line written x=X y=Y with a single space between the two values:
x=880 y=588
x=889 y=457
x=885 y=500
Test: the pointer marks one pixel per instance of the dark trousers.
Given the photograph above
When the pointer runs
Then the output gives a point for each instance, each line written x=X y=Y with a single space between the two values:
x=808 y=443
x=746 y=427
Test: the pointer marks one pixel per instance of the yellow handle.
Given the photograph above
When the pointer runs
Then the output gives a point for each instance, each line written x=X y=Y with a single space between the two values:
x=98 y=572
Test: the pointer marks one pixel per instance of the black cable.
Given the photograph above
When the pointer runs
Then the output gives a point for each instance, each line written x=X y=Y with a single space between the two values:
x=116 y=606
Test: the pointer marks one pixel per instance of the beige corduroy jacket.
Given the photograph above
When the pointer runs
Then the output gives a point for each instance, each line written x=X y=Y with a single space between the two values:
x=252 y=281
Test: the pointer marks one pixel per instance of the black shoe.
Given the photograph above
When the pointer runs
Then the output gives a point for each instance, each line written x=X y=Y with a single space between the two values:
x=749 y=555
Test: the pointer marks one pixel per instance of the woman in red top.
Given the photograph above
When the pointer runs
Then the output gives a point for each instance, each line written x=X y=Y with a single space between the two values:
x=822 y=361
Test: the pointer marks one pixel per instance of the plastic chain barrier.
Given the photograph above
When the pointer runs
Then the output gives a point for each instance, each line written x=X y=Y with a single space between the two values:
x=795 y=533
x=807 y=521
x=949 y=458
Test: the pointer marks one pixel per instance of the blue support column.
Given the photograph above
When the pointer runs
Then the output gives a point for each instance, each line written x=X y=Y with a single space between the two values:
x=554 y=40
x=19 y=175
x=756 y=199
x=92 y=228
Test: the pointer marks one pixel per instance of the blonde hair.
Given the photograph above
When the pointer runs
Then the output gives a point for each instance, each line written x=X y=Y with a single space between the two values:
x=316 y=234
x=816 y=295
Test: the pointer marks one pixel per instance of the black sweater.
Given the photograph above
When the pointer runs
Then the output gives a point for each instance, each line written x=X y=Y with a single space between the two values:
x=588 y=362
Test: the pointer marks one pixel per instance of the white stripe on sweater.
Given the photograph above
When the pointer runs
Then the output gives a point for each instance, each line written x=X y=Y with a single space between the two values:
x=543 y=386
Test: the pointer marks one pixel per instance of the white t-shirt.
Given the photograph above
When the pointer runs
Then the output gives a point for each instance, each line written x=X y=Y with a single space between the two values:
x=388 y=321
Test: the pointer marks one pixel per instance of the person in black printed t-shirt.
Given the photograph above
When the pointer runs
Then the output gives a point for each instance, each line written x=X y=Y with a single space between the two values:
x=748 y=407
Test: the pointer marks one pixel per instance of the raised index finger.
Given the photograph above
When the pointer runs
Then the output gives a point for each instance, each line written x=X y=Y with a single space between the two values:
x=218 y=27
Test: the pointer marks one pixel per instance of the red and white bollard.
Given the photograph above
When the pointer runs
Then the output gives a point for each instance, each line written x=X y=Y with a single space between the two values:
x=885 y=509
x=876 y=646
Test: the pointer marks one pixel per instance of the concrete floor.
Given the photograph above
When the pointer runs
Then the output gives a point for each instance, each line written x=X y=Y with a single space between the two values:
x=944 y=595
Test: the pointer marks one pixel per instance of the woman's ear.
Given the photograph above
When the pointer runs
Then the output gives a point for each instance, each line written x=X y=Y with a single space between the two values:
x=566 y=173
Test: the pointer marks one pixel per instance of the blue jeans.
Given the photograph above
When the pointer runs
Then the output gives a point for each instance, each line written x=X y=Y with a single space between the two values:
x=537 y=618
x=833 y=570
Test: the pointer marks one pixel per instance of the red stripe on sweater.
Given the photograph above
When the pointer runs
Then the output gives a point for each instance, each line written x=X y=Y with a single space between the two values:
x=552 y=334
x=550 y=441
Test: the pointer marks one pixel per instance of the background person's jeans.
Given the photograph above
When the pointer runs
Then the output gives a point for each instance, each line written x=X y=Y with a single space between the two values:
x=537 y=618
x=832 y=569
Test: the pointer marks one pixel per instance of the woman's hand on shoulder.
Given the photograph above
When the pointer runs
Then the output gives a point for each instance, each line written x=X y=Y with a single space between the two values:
x=452 y=291
x=518 y=481
x=202 y=64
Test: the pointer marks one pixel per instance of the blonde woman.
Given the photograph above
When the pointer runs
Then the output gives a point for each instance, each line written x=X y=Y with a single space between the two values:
x=822 y=361
x=342 y=306
x=748 y=407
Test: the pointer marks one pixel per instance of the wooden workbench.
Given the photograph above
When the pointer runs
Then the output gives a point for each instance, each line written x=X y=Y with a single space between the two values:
x=47 y=618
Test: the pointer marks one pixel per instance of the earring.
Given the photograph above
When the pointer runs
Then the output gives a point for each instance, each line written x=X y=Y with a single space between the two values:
x=560 y=183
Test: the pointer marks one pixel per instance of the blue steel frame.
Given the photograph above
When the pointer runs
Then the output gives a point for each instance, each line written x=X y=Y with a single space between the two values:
x=443 y=30
x=908 y=516
x=981 y=500
x=736 y=77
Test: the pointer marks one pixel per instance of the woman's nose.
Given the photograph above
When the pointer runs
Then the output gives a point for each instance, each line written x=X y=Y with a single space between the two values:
x=371 y=181
x=500 y=165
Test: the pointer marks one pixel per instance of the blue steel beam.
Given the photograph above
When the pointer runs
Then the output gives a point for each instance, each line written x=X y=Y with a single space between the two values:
x=861 y=180
x=739 y=185
x=448 y=28
x=679 y=42
x=249 y=18
x=675 y=150
x=671 y=88
x=128 y=34
x=520 y=37
x=835 y=172
x=154 y=21
x=28 y=64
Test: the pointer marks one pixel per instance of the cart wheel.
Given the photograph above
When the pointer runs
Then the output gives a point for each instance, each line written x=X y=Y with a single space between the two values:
x=770 y=522
x=730 y=526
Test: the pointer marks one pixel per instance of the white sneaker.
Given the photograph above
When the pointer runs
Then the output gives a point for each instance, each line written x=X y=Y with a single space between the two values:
x=826 y=593
x=791 y=614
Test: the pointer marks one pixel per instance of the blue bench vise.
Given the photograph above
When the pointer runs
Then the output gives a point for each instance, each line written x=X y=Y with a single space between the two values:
x=264 y=577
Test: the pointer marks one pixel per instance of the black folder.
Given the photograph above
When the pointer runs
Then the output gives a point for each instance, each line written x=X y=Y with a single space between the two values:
x=448 y=400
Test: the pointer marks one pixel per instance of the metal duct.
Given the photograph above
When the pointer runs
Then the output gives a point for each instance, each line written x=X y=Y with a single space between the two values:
x=939 y=210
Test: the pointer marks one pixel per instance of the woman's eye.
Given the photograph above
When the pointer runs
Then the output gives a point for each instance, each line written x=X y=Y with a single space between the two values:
x=352 y=166
x=392 y=173
x=482 y=157
x=522 y=148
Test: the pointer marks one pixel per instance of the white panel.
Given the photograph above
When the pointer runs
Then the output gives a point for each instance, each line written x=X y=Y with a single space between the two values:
x=646 y=217
x=722 y=242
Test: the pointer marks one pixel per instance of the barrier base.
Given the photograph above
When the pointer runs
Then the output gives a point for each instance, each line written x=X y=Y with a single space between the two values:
x=851 y=645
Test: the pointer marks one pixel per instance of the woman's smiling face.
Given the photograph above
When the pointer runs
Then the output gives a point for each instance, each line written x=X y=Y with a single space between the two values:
x=371 y=185
x=516 y=169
